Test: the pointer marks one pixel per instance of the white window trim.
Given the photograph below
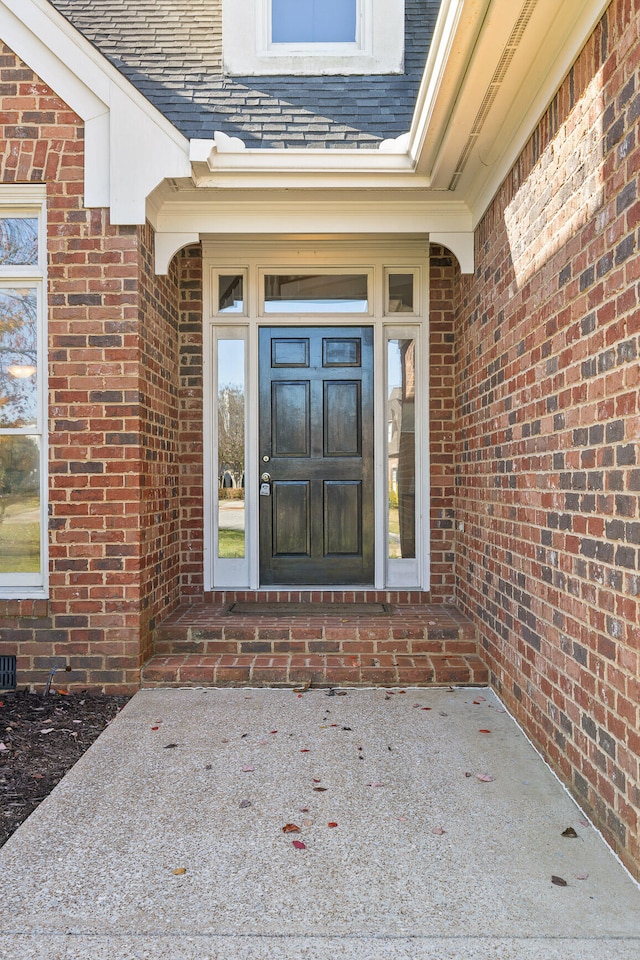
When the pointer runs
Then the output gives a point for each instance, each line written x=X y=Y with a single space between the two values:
x=379 y=48
x=30 y=201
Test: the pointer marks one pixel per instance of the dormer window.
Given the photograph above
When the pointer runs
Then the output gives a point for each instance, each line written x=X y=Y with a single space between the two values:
x=312 y=37
x=314 y=21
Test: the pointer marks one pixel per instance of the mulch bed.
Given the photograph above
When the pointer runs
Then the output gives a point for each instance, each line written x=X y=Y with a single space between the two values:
x=40 y=740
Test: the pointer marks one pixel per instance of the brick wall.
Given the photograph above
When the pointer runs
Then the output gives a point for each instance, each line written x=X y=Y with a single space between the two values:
x=113 y=392
x=548 y=476
x=442 y=415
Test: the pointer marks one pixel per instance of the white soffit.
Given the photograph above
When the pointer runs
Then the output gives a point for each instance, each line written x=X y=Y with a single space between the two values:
x=477 y=109
x=121 y=126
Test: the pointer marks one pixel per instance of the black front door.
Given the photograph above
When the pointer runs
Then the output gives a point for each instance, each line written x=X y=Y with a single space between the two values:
x=316 y=455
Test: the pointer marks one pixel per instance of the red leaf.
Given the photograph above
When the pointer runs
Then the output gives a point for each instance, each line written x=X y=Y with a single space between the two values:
x=290 y=828
x=426 y=708
x=484 y=731
x=299 y=845
x=274 y=731
x=155 y=728
x=332 y=824
x=305 y=751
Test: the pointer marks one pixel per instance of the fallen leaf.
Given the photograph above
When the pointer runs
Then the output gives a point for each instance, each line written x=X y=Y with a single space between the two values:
x=376 y=783
x=484 y=731
x=244 y=804
x=291 y=828
x=332 y=823
x=558 y=881
x=569 y=832
x=306 y=750
x=155 y=728
x=316 y=779
x=169 y=746
x=320 y=789
x=299 y=845
x=303 y=809
x=224 y=741
x=273 y=731
x=48 y=730
x=484 y=778
x=426 y=708
x=346 y=728
x=3 y=746
x=307 y=823
x=584 y=823
x=402 y=819
x=438 y=831
x=180 y=871
x=248 y=768
x=582 y=876
x=303 y=688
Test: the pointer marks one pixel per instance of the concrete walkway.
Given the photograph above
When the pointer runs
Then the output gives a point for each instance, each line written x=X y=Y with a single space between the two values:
x=431 y=831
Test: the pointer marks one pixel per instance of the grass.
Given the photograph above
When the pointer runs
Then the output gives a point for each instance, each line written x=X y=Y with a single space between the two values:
x=230 y=543
x=19 y=547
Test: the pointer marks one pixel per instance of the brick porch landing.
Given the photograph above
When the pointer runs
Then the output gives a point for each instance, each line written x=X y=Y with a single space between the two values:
x=416 y=644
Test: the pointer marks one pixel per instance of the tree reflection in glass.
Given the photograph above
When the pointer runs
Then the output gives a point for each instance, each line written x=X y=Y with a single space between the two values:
x=401 y=448
x=231 y=420
x=19 y=504
x=18 y=357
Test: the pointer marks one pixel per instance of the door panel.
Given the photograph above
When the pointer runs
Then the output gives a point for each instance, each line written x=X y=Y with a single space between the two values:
x=316 y=431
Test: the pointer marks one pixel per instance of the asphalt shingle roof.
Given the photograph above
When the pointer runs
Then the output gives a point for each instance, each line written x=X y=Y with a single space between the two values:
x=171 y=50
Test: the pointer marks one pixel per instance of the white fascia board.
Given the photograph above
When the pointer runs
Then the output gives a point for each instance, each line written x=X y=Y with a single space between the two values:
x=121 y=126
x=276 y=168
x=366 y=213
x=523 y=118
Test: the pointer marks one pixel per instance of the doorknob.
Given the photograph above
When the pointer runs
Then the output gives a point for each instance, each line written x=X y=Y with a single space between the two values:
x=265 y=477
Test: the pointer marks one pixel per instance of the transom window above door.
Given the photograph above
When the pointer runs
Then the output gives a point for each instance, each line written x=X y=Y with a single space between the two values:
x=316 y=293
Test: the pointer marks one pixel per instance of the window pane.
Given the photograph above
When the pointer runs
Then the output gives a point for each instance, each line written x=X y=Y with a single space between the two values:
x=400 y=293
x=313 y=21
x=18 y=241
x=324 y=293
x=230 y=293
x=18 y=357
x=231 y=512
x=401 y=449
x=19 y=504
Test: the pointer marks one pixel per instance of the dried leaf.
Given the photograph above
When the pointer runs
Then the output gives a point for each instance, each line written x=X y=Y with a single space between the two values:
x=169 y=746
x=291 y=828
x=299 y=845
x=248 y=768
x=376 y=783
x=426 y=708
x=320 y=789
x=3 y=746
x=244 y=804
x=180 y=871
x=316 y=779
x=307 y=823
x=484 y=731
x=401 y=819
x=583 y=823
x=484 y=778
x=303 y=809
x=273 y=731
x=569 y=832
x=582 y=876
x=438 y=831
x=155 y=728
x=558 y=881
x=332 y=823
x=48 y=730
x=306 y=750
x=303 y=688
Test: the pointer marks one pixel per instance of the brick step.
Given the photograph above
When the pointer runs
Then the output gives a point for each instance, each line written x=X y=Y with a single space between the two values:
x=320 y=669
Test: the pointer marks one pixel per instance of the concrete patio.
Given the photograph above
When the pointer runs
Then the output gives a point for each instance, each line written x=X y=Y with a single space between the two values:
x=431 y=831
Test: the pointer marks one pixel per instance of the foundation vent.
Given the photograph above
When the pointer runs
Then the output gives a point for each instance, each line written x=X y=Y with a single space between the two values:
x=7 y=673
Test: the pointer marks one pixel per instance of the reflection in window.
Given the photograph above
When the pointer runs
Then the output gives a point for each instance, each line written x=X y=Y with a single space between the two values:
x=400 y=293
x=231 y=466
x=18 y=241
x=19 y=504
x=320 y=293
x=313 y=21
x=401 y=449
x=18 y=357
x=230 y=293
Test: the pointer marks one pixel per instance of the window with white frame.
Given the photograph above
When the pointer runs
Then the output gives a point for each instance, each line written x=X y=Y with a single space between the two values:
x=312 y=37
x=23 y=490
